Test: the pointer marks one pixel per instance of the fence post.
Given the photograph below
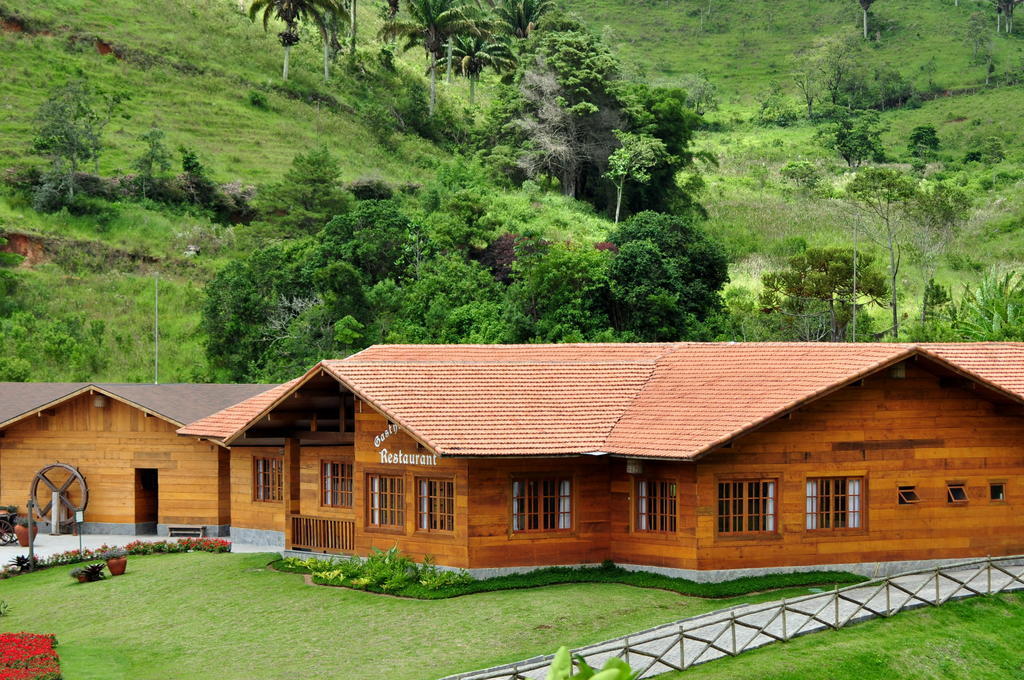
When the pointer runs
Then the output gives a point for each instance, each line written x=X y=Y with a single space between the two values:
x=836 y=596
x=682 y=647
x=936 y=586
x=785 y=635
x=989 y=565
x=625 y=650
x=888 y=597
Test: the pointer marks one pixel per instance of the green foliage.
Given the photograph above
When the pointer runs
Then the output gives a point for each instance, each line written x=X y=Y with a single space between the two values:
x=564 y=667
x=802 y=173
x=665 y=278
x=993 y=310
x=924 y=141
x=820 y=282
x=391 y=566
x=308 y=196
x=775 y=108
x=856 y=136
x=154 y=161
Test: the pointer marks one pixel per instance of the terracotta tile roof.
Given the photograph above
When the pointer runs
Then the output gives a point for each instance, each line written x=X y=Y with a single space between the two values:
x=674 y=400
x=176 y=402
x=233 y=419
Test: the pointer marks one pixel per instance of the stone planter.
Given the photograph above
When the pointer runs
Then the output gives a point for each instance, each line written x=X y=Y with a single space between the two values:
x=22 y=533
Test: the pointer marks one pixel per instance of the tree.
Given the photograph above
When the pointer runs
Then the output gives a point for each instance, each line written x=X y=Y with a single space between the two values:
x=307 y=197
x=807 y=78
x=836 y=58
x=432 y=23
x=826 y=276
x=154 y=161
x=330 y=22
x=865 y=5
x=291 y=12
x=633 y=161
x=701 y=93
x=519 y=18
x=666 y=277
x=924 y=141
x=475 y=52
x=882 y=195
x=69 y=130
x=856 y=136
x=937 y=212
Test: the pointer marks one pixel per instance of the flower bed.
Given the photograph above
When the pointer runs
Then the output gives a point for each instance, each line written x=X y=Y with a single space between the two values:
x=28 y=656
x=181 y=545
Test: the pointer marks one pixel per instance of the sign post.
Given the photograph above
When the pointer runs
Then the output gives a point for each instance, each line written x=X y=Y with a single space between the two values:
x=79 y=518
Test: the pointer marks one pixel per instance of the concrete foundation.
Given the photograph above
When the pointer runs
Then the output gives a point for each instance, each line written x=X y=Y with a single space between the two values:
x=273 y=540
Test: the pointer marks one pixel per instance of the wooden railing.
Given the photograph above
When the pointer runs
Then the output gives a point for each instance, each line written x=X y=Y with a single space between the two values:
x=683 y=644
x=321 y=533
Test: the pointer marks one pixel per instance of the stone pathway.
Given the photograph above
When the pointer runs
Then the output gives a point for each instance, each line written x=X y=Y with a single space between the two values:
x=681 y=644
x=47 y=545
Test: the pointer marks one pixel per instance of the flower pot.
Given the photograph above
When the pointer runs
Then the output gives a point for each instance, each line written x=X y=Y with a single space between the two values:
x=22 y=534
x=82 y=578
x=117 y=565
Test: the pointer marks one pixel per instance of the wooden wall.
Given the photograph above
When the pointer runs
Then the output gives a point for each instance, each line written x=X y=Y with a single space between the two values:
x=246 y=512
x=107 y=445
x=492 y=543
x=891 y=431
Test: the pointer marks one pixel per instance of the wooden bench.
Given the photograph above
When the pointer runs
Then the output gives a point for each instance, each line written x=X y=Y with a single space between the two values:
x=186 y=531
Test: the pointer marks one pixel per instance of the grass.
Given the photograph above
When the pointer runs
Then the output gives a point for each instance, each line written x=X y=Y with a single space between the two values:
x=180 y=616
x=974 y=639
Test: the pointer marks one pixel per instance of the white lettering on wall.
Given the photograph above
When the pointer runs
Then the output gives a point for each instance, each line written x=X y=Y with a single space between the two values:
x=379 y=439
x=403 y=458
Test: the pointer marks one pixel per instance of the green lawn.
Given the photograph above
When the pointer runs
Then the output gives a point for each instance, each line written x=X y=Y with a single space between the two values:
x=227 y=616
x=975 y=639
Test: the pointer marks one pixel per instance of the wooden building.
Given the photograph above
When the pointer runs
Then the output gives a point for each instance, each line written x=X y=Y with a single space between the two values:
x=696 y=458
x=141 y=477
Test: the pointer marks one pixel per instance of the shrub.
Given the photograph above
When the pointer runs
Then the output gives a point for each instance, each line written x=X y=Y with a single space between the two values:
x=802 y=173
x=388 y=572
x=5 y=608
x=91 y=573
x=259 y=100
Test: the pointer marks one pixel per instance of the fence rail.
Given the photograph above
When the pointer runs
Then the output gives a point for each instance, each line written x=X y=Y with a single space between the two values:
x=683 y=644
x=320 y=533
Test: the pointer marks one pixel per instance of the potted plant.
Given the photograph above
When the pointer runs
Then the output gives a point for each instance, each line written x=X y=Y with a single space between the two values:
x=21 y=531
x=117 y=560
x=93 y=572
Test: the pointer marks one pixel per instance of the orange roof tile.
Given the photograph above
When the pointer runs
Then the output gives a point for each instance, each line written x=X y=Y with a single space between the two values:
x=672 y=400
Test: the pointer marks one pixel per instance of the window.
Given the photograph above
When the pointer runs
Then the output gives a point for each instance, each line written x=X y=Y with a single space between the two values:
x=336 y=484
x=267 y=482
x=997 y=492
x=834 y=503
x=435 y=503
x=746 y=506
x=907 y=495
x=655 y=505
x=541 y=504
x=956 y=493
x=385 y=501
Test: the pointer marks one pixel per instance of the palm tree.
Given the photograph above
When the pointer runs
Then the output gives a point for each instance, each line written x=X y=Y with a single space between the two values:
x=329 y=22
x=474 y=53
x=431 y=23
x=520 y=17
x=291 y=12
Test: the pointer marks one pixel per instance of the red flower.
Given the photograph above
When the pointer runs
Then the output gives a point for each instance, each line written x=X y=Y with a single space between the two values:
x=28 y=656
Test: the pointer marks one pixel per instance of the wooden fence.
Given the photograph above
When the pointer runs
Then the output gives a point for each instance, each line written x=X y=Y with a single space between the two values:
x=320 y=533
x=683 y=644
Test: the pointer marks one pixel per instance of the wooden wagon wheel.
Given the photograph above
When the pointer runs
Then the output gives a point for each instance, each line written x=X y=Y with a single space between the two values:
x=43 y=481
x=7 y=535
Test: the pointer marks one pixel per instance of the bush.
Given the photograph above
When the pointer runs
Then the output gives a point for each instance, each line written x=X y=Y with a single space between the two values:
x=802 y=173
x=259 y=100
x=389 y=572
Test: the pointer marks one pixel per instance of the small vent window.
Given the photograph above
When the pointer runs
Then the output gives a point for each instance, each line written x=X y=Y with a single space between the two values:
x=997 y=492
x=956 y=493
x=907 y=495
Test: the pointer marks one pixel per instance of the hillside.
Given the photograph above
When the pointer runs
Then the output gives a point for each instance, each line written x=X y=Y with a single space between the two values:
x=209 y=78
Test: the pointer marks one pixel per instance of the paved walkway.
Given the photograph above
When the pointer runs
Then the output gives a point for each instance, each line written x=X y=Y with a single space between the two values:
x=699 y=639
x=47 y=545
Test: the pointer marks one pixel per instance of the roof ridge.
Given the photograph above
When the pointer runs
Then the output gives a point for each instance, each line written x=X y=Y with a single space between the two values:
x=636 y=395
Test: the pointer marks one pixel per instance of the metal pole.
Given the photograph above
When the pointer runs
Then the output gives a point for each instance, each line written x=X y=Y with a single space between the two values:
x=156 y=329
x=31 y=537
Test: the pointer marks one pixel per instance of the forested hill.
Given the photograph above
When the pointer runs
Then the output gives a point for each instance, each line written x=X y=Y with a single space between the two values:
x=289 y=219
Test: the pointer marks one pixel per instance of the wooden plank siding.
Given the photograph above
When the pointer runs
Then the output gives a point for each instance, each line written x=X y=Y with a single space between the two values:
x=936 y=435
x=107 y=445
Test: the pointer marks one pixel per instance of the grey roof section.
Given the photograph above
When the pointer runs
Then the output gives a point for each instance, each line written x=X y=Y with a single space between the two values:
x=181 y=403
